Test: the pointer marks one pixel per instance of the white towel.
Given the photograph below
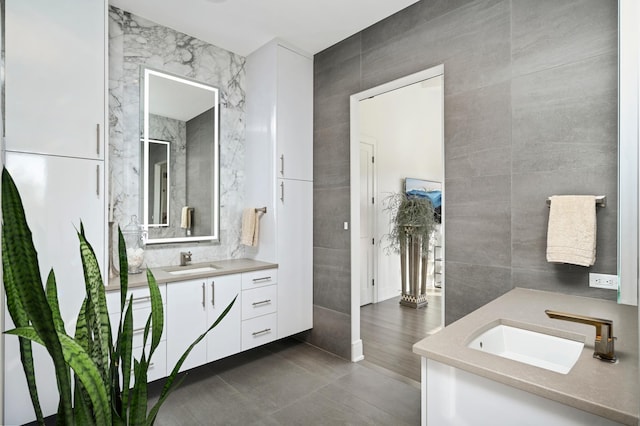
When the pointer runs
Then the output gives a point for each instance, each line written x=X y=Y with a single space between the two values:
x=571 y=236
x=185 y=220
x=250 y=227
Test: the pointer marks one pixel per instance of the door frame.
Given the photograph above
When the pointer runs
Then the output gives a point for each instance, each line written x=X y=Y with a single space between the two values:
x=357 y=353
x=374 y=215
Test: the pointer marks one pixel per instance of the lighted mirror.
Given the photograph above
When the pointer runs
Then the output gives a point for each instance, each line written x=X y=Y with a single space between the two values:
x=180 y=177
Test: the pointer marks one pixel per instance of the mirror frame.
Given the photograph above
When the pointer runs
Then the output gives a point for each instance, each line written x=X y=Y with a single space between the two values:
x=215 y=236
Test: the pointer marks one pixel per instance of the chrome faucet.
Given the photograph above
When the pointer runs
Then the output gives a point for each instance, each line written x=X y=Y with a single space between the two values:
x=604 y=349
x=185 y=257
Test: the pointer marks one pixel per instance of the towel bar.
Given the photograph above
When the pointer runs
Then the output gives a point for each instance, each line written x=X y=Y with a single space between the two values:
x=262 y=210
x=601 y=201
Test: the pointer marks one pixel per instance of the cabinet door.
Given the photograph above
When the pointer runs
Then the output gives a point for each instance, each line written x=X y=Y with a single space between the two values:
x=55 y=77
x=57 y=193
x=186 y=320
x=224 y=339
x=294 y=116
x=295 y=256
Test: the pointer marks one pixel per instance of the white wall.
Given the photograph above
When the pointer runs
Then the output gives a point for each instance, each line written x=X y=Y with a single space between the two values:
x=407 y=127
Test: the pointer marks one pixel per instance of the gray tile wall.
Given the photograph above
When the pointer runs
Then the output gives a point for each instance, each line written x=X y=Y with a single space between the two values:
x=530 y=111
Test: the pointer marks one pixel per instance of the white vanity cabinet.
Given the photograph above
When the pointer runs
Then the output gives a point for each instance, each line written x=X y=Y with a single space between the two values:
x=192 y=306
x=279 y=174
x=260 y=308
x=55 y=77
x=141 y=309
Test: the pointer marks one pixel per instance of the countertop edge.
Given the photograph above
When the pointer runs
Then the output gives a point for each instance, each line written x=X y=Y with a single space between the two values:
x=230 y=267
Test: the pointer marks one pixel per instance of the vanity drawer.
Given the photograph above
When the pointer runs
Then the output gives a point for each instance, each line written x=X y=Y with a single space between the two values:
x=157 y=367
x=141 y=298
x=261 y=278
x=139 y=321
x=258 y=331
x=259 y=301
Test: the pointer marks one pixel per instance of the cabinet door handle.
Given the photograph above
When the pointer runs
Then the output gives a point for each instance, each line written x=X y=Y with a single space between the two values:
x=282 y=164
x=257 y=280
x=98 y=180
x=282 y=191
x=138 y=330
x=213 y=294
x=98 y=139
x=262 y=302
x=203 y=296
x=140 y=299
x=257 y=333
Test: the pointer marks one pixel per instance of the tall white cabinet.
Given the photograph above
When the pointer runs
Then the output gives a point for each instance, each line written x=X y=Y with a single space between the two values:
x=55 y=100
x=279 y=174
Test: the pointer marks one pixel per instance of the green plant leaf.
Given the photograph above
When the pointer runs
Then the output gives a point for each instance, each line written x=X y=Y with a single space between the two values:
x=84 y=367
x=52 y=296
x=138 y=414
x=157 y=313
x=126 y=353
x=169 y=384
x=20 y=319
x=21 y=255
x=97 y=315
x=124 y=270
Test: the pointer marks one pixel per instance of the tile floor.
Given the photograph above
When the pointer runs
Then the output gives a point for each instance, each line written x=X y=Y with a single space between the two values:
x=289 y=383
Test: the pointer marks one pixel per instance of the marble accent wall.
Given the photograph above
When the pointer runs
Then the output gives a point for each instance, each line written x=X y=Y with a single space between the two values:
x=135 y=41
x=530 y=111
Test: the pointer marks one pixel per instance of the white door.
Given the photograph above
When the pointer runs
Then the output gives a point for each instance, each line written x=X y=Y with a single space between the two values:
x=295 y=256
x=187 y=310
x=57 y=193
x=55 y=78
x=224 y=339
x=294 y=115
x=367 y=224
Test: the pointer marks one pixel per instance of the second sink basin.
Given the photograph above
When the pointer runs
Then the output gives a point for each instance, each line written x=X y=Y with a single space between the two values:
x=197 y=270
x=530 y=347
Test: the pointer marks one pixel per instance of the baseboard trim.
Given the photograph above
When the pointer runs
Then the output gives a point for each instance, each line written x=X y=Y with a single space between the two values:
x=357 y=353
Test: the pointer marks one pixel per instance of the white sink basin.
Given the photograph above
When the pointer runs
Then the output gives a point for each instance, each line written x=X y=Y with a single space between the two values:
x=198 y=270
x=530 y=347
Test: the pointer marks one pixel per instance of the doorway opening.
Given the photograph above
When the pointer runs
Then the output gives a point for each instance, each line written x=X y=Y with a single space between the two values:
x=395 y=132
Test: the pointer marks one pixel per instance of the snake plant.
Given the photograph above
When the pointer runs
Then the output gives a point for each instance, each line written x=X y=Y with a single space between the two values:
x=101 y=384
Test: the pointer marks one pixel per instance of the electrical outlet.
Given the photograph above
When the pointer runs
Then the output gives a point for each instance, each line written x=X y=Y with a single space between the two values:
x=609 y=282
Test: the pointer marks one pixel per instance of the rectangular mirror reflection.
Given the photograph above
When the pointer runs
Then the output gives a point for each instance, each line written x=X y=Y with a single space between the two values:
x=159 y=183
x=180 y=159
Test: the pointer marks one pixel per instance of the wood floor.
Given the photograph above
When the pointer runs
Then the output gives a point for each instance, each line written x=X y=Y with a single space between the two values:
x=389 y=330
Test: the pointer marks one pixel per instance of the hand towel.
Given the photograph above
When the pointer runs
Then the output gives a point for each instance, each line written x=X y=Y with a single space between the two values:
x=249 y=221
x=571 y=236
x=185 y=220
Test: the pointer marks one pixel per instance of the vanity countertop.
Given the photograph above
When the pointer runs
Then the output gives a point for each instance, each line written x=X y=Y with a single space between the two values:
x=608 y=390
x=226 y=267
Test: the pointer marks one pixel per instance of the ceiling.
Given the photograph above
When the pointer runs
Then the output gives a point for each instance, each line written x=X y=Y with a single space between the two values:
x=242 y=26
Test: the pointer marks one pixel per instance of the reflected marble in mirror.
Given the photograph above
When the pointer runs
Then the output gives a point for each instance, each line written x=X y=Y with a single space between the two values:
x=180 y=123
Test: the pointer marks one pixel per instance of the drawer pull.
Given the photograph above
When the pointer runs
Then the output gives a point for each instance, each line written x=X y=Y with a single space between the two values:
x=138 y=330
x=141 y=299
x=258 y=333
x=262 y=302
x=257 y=280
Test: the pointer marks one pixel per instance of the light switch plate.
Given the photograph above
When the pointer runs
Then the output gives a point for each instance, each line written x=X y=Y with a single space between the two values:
x=607 y=281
